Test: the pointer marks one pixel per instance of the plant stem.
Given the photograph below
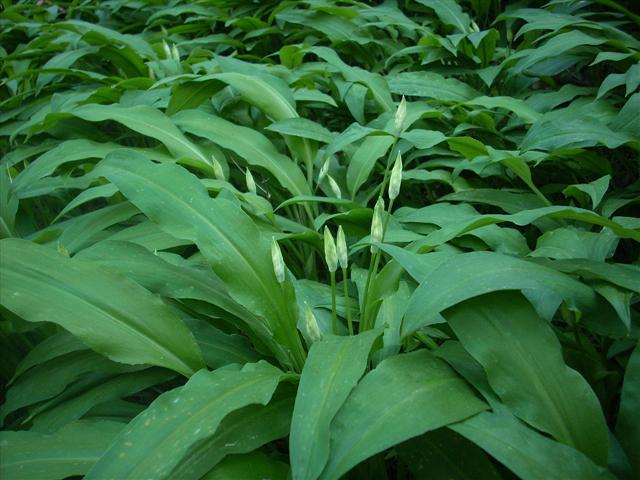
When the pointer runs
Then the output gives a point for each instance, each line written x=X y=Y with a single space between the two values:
x=334 y=314
x=346 y=300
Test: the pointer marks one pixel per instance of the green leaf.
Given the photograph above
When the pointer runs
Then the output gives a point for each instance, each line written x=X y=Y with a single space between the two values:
x=432 y=85
x=241 y=431
x=572 y=133
x=471 y=274
x=302 y=127
x=437 y=455
x=527 y=453
x=113 y=389
x=405 y=396
x=255 y=148
x=70 y=451
x=237 y=251
x=364 y=160
x=333 y=368
x=109 y=313
x=151 y=122
x=160 y=437
x=524 y=365
x=449 y=13
x=627 y=428
x=250 y=466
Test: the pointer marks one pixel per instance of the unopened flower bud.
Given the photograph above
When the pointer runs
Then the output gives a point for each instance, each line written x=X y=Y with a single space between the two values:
x=401 y=115
x=251 y=184
x=396 y=178
x=334 y=187
x=377 y=225
x=167 y=50
x=175 y=53
x=341 y=246
x=313 y=330
x=217 y=168
x=278 y=261
x=324 y=170
x=330 y=254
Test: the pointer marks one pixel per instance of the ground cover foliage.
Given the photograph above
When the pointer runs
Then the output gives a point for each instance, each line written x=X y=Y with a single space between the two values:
x=231 y=250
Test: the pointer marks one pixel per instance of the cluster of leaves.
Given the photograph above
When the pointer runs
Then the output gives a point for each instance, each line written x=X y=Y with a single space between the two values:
x=160 y=157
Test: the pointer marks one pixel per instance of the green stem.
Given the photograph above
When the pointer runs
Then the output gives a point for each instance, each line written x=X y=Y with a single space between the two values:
x=334 y=314
x=346 y=300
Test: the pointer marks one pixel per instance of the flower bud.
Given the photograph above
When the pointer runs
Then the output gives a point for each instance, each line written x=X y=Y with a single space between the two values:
x=401 y=115
x=167 y=50
x=334 y=187
x=278 y=261
x=217 y=168
x=396 y=178
x=312 y=324
x=341 y=245
x=330 y=253
x=324 y=170
x=377 y=227
x=251 y=184
x=175 y=53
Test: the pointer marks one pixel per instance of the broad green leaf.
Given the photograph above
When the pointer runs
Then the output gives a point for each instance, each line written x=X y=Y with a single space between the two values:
x=333 y=368
x=51 y=347
x=70 y=451
x=237 y=251
x=515 y=105
x=250 y=466
x=627 y=428
x=405 y=396
x=364 y=160
x=249 y=144
x=118 y=387
x=449 y=13
x=527 y=453
x=302 y=127
x=53 y=377
x=151 y=122
x=444 y=455
x=109 y=313
x=159 y=438
x=524 y=365
x=432 y=85
x=472 y=274
x=572 y=133
x=241 y=431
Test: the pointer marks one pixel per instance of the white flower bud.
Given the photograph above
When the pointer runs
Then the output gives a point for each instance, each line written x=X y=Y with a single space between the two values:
x=401 y=115
x=175 y=53
x=377 y=225
x=217 y=168
x=474 y=26
x=396 y=178
x=334 y=187
x=330 y=254
x=278 y=261
x=324 y=170
x=167 y=50
x=251 y=184
x=341 y=245
x=312 y=324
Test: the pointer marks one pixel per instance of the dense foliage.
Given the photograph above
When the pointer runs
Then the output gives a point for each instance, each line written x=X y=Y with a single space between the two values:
x=232 y=250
